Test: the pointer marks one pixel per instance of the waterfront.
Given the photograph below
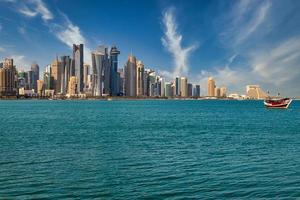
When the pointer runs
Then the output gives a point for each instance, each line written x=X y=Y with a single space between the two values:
x=148 y=149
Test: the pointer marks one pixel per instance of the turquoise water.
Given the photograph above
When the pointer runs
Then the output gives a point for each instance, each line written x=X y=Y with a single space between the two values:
x=148 y=150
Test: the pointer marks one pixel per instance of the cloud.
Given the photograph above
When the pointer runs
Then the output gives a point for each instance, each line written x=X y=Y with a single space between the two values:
x=70 y=34
x=2 y=49
x=279 y=64
x=172 y=41
x=243 y=21
x=32 y=8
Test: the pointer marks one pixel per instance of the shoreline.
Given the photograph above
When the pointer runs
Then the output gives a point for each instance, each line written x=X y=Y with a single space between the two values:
x=109 y=98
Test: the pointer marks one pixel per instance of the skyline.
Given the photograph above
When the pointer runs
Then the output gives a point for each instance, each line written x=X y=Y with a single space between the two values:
x=247 y=42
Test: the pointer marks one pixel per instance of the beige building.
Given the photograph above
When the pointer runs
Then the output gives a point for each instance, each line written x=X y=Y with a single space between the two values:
x=217 y=92
x=40 y=88
x=211 y=85
x=56 y=76
x=140 y=78
x=72 y=90
x=8 y=78
x=255 y=92
x=183 y=87
x=223 y=91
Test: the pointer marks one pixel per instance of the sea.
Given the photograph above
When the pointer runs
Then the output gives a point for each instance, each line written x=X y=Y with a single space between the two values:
x=148 y=149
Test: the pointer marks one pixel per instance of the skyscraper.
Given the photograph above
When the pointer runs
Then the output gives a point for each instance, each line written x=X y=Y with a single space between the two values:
x=183 y=87
x=217 y=92
x=130 y=76
x=78 y=65
x=56 y=76
x=197 y=91
x=72 y=90
x=40 y=88
x=211 y=87
x=168 y=89
x=36 y=75
x=99 y=65
x=114 y=76
x=8 y=78
x=140 y=78
x=86 y=73
x=66 y=72
x=190 y=89
x=177 y=86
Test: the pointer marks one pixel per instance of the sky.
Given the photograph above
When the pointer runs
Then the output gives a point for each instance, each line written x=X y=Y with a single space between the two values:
x=236 y=42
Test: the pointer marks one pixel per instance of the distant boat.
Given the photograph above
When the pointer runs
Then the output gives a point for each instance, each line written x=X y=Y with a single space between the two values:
x=278 y=103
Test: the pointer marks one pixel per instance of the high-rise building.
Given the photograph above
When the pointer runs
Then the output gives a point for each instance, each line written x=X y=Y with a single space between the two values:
x=66 y=72
x=130 y=76
x=177 y=86
x=47 y=80
x=99 y=66
x=197 y=91
x=86 y=73
x=40 y=88
x=168 y=89
x=121 y=78
x=211 y=87
x=223 y=92
x=183 y=87
x=78 y=65
x=56 y=76
x=190 y=89
x=30 y=80
x=36 y=75
x=217 y=92
x=114 y=75
x=73 y=84
x=140 y=78
x=8 y=78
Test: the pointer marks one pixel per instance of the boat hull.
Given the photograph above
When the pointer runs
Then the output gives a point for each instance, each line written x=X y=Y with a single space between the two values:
x=278 y=103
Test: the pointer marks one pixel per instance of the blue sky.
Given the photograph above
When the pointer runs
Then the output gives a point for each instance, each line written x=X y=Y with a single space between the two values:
x=236 y=42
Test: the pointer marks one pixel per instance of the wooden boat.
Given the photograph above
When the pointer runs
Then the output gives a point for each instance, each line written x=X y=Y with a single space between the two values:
x=277 y=103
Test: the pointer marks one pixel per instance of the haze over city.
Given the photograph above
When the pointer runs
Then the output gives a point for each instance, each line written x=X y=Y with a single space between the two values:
x=236 y=42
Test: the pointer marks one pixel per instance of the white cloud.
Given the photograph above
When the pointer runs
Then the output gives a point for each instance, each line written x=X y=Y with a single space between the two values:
x=243 y=22
x=172 y=42
x=70 y=34
x=32 y=8
x=280 y=64
x=2 y=49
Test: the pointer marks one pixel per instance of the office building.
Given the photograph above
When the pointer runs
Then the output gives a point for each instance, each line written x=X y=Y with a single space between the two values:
x=140 y=78
x=211 y=87
x=56 y=76
x=190 y=90
x=130 y=76
x=183 y=87
x=78 y=65
x=114 y=75
x=8 y=78
x=73 y=84
x=36 y=75
x=223 y=92
x=40 y=88
x=196 y=91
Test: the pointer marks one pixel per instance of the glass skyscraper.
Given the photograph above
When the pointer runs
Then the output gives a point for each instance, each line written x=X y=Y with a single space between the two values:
x=78 y=64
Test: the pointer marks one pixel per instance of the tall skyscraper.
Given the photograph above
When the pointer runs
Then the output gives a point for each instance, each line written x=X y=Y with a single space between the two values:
x=114 y=76
x=190 y=90
x=78 y=65
x=168 y=89
x=36 y=75
x=8 y=78
x=140 y=78
x=30 y=80
x=211 y=87
x=197 y=91
x=47 y=80
x=66 y=72
x=99 y=66
x=130 y=76
x=86 y=73
x=56 y=76
x=183 y=87
x=177 y=86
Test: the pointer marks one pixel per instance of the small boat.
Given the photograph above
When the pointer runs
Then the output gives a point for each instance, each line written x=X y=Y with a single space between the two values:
x=278 y=103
